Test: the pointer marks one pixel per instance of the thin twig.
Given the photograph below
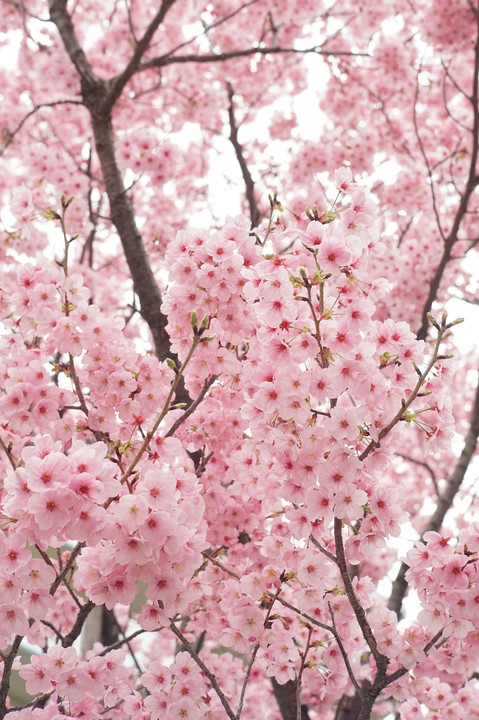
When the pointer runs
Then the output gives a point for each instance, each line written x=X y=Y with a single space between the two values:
x=322 y=549
x=213 y=560
x=8 y=452
x=444 y=501
x=191 y=408
x=300 y=674
x=149 y=435
x=424 y=465
x=124 y=640
x=11 y=134
x=246 y=680
x=73 y=556
x=211 y=677
x=407 y=403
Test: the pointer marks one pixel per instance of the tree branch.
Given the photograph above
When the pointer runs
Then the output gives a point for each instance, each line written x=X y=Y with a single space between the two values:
x=192 y=407
x=7 y=669
x=10 y=135
x=471 y=184
x=285 y=695
x=165 y=60
x=119 y=82
x=366 y=630
x=69 y=639
x=444 y=502
x=212 y=678
x=61 y=18
x=421 y=464
x=254 y=212
x=98 y=97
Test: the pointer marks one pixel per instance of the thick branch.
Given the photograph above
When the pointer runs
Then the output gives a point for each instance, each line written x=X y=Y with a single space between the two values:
x=99 y=97
x=285 y=695
x=69 y=639
x=62 y=19
x=7 y=669
x=348 y=707
x=444 y=502
x=123 y=218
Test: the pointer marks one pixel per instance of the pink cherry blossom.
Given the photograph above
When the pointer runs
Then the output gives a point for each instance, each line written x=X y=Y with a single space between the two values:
x=238 y=460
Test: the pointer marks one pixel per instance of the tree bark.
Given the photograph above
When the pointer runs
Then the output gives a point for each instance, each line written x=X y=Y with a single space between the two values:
x=286 y=698
x=445 y=501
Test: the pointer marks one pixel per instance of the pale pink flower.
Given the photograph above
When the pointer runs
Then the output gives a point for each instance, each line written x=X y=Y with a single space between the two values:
x=411 y=656
x=333 y=254
x=13 y=620
x=453 y=574
x=314 y=234
x=152 y=617
x=282 y=672
x=74 y=683
x=37 y=680
x=460 y=627
x=50 y=508
x=249 y=620
x=156 y=704
x=49 y=472
x=185 y=709
x=131 y=511
x=348 y=503
x=343 y=179
x=21 y=203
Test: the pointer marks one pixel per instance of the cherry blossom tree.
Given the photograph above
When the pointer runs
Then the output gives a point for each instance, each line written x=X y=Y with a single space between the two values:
x=238 y=434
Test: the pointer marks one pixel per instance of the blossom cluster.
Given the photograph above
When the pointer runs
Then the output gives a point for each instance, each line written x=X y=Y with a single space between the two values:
x=300 y=395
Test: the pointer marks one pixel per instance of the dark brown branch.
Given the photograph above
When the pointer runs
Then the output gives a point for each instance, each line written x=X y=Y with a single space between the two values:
x=192 y=407
x=68 y=566
x=248 y=180
x=246 y=678
x=285 y=695
x=21 y=6
x=142 y=46
x=165 y=60
x=444 y=502
x=7 y=669
x=322 y=549
x=348 y=707
x=471 y=184
x=126 y=639
x=38 y=702
x=359 y=612
x=208 y=28
x=212 y=678
x=61 y=18
x=99 y=97
x=78 y=625
x=123 y=218
x=11 y=134
x=423 y=464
